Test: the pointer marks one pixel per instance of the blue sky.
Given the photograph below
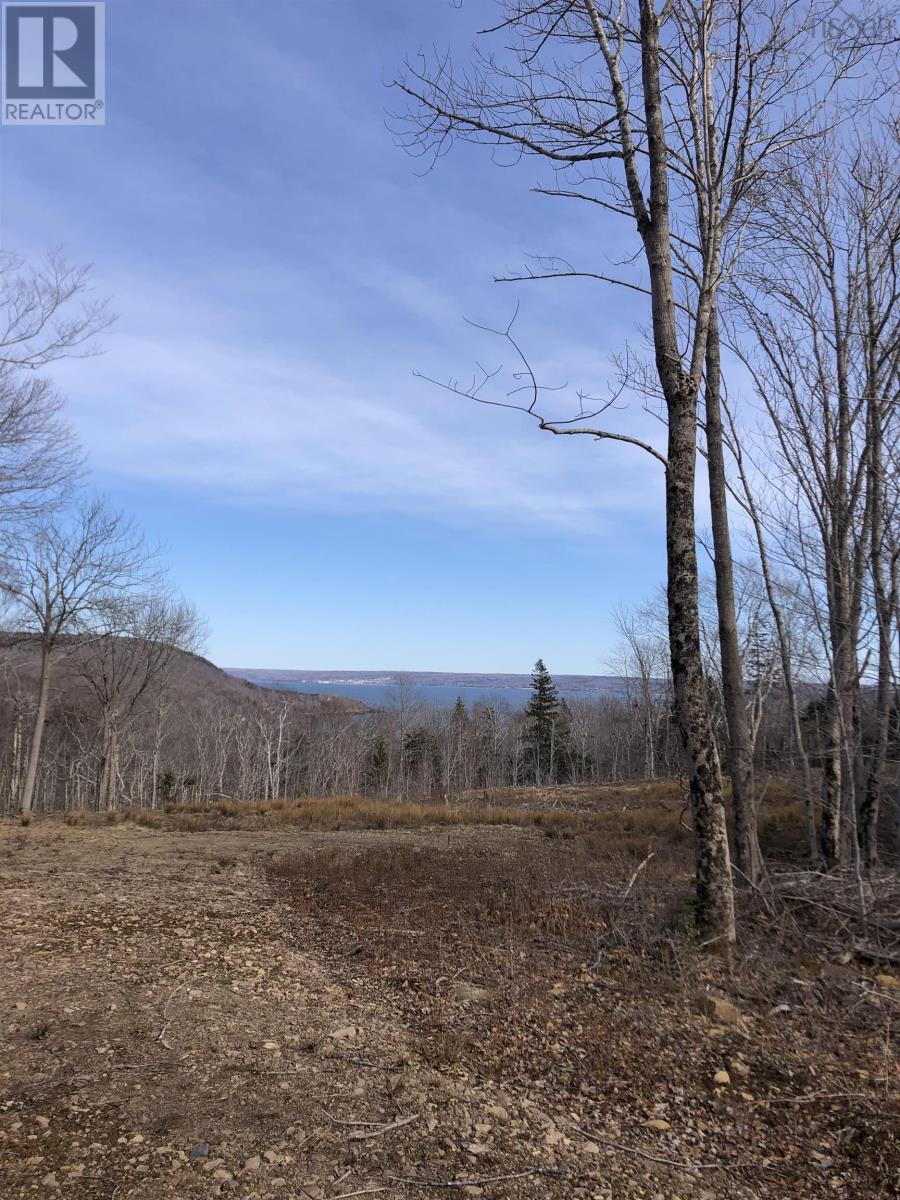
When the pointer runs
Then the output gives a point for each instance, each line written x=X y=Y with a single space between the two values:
x=280 y=269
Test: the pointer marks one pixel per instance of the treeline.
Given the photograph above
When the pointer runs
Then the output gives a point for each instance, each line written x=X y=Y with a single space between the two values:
x=197 y=736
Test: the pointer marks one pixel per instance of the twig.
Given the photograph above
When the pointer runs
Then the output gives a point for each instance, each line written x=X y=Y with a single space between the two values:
x=353 y=1124
x=811 y=1098
x=669 y=1162
x=363 y=1192
x=637 y=872
x=374 y=1133
x=160 y=1037
x=475 y=1180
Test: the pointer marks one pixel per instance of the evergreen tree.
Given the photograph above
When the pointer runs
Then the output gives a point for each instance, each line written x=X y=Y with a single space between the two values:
x=379 y=765
x=455 y=775
x=546 y=728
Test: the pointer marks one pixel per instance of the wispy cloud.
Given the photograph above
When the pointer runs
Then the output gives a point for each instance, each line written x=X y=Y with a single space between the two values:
x=288 y=431
x=280 y=271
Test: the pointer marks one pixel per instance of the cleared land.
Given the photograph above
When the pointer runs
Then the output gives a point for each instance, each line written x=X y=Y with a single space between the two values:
x=266 y=1009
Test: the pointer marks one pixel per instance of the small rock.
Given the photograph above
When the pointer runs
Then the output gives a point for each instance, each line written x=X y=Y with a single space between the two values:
x=722 y=1078
x=739 y=1068
x=345 y=1034
x=50 y=1180
x=461 y=990
x=657 y=1123
x=201 y=1150
x=42 y=1122
x=721 y=1010
x=888 y=981
x=497 y=1111
x=253 y=1163
x=221 y=1174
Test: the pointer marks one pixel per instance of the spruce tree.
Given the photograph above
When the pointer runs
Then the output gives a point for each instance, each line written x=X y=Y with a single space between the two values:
x=542 y=719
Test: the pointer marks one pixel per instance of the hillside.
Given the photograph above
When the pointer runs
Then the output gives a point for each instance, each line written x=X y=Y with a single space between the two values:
x=191 y=678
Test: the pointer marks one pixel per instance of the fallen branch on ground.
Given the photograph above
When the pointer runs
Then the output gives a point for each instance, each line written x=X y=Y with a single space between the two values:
x=682 y=1164
x=364 y=1192
x=637 y=872
x=361 y=1136
x=160 y=1037
x=475 y=1180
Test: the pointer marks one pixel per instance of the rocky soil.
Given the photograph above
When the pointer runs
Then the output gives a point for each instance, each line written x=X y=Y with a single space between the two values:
x=174 y=1025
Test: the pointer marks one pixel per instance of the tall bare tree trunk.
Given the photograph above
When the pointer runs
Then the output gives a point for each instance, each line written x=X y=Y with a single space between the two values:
x=881 y=366
x=830 y=842
x=37 y=736
x=747 y=856
x=715 y=894
x=16 y=774
x=109 y=769
x=841 y=717
x=715 y=898
x=884 y=603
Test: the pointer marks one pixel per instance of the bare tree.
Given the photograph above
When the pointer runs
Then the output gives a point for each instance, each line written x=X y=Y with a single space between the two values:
x=747 y=855
x=876 y=209
x=676 y=133
x=746 y=494
x=61 y=572
x=643 y=658
x=39 y=455
x=141 y=634
x=47 y=311
x=822 y=304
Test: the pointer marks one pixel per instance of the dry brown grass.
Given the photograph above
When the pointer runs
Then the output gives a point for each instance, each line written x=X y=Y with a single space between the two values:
x=570 y=894
x=335 y=813
x=537 y=958
x=631 y=818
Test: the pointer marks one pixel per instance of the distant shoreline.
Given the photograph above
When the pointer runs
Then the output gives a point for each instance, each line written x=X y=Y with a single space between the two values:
x=387 y=689
x=587 y=685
